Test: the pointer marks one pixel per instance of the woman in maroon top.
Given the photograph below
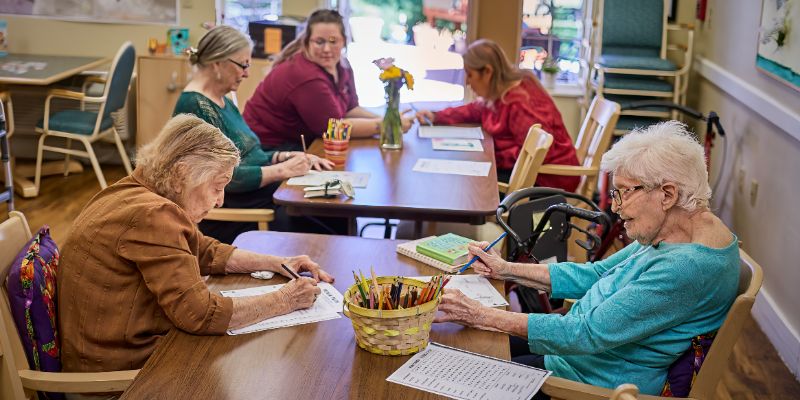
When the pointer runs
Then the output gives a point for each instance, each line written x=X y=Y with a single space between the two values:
x=511 y=101
x=309 y=83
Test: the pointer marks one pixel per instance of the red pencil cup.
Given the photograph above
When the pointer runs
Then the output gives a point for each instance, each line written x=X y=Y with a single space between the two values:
x=336 y=150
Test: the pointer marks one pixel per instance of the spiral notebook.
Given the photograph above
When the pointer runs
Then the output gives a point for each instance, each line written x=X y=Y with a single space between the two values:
x=409 y=249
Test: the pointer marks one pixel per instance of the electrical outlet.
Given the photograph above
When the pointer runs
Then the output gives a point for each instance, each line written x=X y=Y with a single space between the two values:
x=753 y=192
x=740 y=180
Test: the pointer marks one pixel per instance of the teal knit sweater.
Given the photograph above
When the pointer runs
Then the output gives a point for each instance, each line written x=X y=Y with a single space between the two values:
x=247 y=176
x=638 y=311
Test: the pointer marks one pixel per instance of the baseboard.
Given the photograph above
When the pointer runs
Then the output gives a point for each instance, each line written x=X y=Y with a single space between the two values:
x=783 y=337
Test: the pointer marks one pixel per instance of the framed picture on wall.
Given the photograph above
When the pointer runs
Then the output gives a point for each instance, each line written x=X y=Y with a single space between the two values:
x=778 y=45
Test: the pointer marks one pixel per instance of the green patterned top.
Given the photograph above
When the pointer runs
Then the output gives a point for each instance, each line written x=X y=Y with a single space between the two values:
x=247 y=176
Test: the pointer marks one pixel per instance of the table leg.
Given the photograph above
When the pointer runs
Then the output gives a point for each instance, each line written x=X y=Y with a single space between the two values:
x=22 y=172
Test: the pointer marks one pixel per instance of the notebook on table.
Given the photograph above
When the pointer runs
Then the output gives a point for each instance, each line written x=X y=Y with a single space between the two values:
x=409 y=249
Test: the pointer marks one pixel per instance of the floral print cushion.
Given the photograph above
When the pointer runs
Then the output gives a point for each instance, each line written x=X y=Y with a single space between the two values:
x=31 y=286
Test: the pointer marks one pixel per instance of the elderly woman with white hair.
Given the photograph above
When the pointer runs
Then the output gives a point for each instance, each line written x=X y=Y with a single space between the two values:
x=638 y=309
x=132 y=265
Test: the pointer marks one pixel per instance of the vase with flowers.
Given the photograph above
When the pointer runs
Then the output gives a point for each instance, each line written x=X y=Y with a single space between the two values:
x=393 y=79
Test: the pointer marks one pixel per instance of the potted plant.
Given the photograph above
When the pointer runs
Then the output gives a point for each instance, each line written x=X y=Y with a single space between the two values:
x=549 y=72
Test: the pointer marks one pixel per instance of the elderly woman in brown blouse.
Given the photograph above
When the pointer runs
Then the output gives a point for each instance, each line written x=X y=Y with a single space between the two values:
x=132 y=266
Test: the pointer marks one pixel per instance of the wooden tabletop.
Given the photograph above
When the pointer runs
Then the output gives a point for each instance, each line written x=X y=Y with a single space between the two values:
x=43 y=70
x=395 y=191
x=313 y=361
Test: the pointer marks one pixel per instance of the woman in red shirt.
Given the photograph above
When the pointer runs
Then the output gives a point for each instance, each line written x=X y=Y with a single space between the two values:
x=310 y=82
x=510 y=102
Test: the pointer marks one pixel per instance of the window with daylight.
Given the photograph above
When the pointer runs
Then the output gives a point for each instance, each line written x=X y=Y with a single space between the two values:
x=238 y=13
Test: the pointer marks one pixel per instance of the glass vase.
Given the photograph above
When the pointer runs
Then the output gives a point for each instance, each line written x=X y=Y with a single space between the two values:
x=391 y=126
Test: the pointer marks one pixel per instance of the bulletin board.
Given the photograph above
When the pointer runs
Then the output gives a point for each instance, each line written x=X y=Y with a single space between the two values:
x=108 y=11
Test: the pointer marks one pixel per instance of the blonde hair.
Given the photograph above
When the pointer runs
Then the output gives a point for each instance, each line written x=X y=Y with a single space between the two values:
x=187 y=152
x=218 y=44
x=300 y=43
x=660 y=153
x=483 y=53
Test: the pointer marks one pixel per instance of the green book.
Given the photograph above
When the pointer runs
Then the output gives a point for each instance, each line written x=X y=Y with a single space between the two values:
x=450 y=248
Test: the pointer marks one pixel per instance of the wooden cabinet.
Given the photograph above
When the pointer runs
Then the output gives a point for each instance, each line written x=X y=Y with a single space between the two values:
x=161 y=80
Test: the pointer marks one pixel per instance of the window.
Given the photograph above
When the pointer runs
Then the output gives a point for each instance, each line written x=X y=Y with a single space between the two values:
x=238 y=13
x=553 y=29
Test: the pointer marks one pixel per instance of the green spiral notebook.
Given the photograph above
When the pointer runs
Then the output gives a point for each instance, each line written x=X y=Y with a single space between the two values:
x=450 y=248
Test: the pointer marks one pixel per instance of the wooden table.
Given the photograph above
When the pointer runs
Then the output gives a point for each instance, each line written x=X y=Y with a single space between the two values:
x=395 y=191
x=313 y=361
x=55 y=69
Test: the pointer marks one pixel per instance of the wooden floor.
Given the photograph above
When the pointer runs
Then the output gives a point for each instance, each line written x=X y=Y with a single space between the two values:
x=754 y=370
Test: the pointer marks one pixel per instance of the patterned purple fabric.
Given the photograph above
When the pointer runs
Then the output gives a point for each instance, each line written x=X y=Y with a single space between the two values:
x=31 y=289
x=682 y=372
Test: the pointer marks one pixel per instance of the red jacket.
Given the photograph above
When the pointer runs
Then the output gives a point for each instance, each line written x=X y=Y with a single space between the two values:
x=508 y=121
x=298 y=97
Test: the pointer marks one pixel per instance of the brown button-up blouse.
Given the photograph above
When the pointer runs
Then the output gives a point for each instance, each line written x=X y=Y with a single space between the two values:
x=130 y=271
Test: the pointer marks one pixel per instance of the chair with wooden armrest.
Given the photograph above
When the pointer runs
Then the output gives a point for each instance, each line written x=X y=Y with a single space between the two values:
x=17 y=380
x=715 y=363
x=88 y=127
x=262 y=216
x=528 y=164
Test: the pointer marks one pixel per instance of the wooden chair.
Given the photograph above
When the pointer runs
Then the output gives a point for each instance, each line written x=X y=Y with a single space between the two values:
x=528 y=165
x=262 y=216
x=705 y=384
x=17 y=380
x=626 y=391
x=593 y=140
x=88 y=127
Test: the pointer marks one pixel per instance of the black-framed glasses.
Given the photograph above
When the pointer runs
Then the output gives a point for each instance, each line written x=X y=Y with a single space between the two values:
x=617 y=194
x=244 y=67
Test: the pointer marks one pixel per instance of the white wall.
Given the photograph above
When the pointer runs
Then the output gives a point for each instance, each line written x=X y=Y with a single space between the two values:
x=762 y=119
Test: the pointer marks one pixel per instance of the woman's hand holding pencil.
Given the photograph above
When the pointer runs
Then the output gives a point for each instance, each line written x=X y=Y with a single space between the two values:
x=489 y=263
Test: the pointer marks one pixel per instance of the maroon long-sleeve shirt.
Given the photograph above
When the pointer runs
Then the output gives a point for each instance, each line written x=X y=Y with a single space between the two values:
x=297 y=97
x=508 y=121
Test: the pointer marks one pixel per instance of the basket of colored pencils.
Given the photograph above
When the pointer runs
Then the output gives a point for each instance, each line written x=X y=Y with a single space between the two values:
x=392 y=315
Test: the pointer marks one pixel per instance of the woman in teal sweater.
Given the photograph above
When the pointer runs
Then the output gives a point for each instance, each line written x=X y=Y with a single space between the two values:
x=638 y=309
x=222 y=60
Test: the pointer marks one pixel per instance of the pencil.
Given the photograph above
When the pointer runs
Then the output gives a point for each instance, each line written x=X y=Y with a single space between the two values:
x=467 y=265
x=290 y=271
x=427 y=121
x=303 y=140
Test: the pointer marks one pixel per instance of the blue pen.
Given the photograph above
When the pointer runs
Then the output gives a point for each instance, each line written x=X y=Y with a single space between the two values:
x=467 y=265
x=427 y=121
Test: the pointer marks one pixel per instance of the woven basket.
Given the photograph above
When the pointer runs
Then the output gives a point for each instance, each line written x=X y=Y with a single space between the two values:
x=391 y=332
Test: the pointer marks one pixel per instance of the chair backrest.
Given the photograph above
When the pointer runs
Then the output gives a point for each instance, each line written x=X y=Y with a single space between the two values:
x=594 y=138
x=634 y=27
x=14 y=234
x=530 y=158
x=750 y=278
x=119 y=79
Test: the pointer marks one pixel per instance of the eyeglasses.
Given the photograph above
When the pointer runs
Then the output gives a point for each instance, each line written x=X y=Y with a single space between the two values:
x=244 y=67
x=618 y=195
x=321 y=42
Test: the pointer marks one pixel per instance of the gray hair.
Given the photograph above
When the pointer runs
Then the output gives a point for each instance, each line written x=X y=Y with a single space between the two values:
x=218 y=44
x=660 y=153
x=186 y=153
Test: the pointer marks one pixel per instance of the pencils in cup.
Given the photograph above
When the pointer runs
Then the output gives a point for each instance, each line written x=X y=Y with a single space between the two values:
x=472 y=261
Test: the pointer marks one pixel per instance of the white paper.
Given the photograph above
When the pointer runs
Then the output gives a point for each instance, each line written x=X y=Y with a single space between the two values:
x=475 y=287
x=459 y=374
x=318 y=178
x=457 y=144
x=450 y=132
x=453 y=167
x=327 y=306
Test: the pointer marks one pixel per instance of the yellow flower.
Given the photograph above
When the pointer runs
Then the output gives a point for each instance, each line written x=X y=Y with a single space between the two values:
x=409 y=80
x=390 y=73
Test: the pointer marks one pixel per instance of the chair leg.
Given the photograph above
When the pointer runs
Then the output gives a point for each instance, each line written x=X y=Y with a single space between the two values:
x=126 y=162
x=263 y=226
x=37 y=177
x=67 y=158
x=95 y=164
